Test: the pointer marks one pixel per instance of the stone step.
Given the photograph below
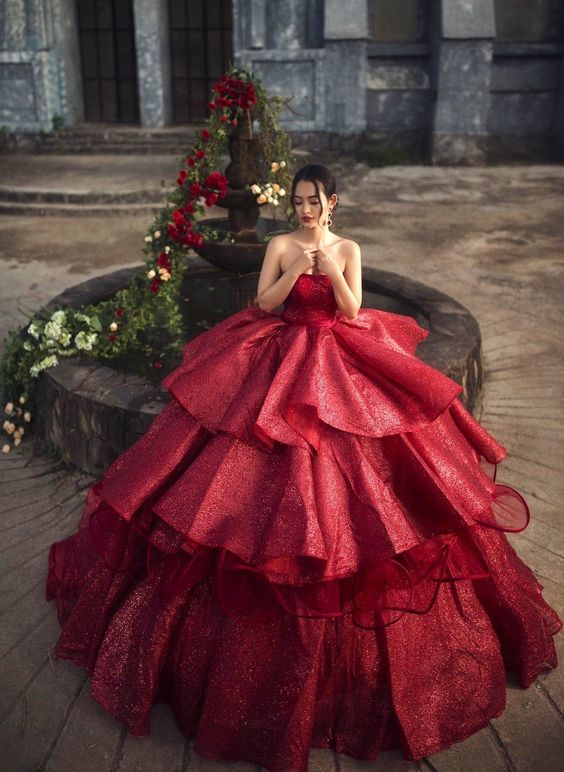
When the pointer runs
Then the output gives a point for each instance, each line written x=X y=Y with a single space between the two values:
x=79 y=210
x=85 y=198
x=93 y=138
x=85 y=148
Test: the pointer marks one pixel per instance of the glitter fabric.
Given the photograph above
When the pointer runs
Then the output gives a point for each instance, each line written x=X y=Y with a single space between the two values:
x=306 y=549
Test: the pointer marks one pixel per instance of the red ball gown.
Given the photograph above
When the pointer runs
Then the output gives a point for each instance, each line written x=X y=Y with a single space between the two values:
x=307 y=548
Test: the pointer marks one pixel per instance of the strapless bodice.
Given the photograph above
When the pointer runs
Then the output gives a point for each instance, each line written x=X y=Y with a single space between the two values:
x=311 y=301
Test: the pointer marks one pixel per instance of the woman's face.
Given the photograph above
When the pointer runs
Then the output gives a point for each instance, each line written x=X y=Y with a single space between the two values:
x=311 y=211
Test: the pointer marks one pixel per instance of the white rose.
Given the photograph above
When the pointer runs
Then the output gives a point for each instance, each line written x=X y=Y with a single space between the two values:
x=157 y=234
x=9 y=407
x=84 y=340
x=27 y=416
x=23 y=399
x=255 y=189
x=148 y=238
x=274 y=166
x=58 y=317
x=33 y=331
x=270 y=199
x=151 y=274
x=5 y=448
x=167 y=249
x=5 y=424
x=165 y=276
x=17 y=440
x=276 y=187
x=10 y=429
x=282 y=164
x=113 y=326
x=21 y=430
x=53 y=330
x=281 y=192
x=276 y=202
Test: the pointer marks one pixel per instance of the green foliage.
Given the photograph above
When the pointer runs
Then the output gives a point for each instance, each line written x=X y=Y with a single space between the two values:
x=144 y=319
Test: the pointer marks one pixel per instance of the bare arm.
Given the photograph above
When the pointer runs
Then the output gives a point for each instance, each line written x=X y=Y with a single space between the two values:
x=273 y=289
x=347 y=285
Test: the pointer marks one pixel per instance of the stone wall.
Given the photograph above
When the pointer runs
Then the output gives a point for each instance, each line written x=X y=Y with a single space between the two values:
x=424 y=80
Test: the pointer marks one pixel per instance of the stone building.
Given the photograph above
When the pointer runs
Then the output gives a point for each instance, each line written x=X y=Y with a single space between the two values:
x=441 y=80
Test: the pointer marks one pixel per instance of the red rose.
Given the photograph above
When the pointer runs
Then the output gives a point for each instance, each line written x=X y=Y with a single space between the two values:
x=200 y=153
x=182 y=174
x=234 y=121
x=120 y=312
x=189 y=208
x=190 y=162
x=196 y=189
x=154 y=286
x=163 y=260
x=172 y=231
x=112 y=338
x=223 y=118
x=205 y=134
x=211 y=105
x=157 y=364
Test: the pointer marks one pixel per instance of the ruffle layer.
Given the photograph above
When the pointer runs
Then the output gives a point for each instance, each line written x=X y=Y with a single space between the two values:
x=276 y=515
x=275 y=382
x=374 y=525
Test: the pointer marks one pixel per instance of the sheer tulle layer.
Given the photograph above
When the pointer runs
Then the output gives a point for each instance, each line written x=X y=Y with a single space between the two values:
x=308 y=553
x=268 y=692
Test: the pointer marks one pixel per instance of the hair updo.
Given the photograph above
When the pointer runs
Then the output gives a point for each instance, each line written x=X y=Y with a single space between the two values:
x=316 y=173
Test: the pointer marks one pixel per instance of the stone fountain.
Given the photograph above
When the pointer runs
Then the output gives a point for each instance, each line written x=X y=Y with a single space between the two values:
x=241 y=247
x=89 y=412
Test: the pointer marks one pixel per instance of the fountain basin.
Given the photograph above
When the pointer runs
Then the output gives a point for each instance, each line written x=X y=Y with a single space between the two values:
x=89 y=412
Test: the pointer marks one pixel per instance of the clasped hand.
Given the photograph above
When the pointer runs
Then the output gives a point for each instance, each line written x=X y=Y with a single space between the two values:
x=324 y=262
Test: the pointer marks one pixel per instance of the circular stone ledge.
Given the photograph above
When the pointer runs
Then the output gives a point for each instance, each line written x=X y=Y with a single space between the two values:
x=90 y=413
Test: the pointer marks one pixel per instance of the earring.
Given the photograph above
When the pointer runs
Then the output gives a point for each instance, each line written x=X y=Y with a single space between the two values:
x=329 y=219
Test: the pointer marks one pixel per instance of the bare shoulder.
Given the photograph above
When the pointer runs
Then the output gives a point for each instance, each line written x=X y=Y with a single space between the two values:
x=351 y=245
x=351 y=251
x=280 y=239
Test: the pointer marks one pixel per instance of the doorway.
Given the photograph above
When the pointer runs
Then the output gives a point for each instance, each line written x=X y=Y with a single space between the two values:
x=108 y=59
x=201 y=48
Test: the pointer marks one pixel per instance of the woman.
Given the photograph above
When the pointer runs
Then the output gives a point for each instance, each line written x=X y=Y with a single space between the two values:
x=307 y=547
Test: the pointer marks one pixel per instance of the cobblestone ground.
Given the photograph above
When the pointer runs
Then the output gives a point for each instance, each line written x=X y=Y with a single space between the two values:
x=490 y=237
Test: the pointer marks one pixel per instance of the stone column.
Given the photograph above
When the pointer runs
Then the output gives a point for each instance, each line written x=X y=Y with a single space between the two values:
x=13 y=30
x=153 y=62
x=345 y=65
x=462 y=56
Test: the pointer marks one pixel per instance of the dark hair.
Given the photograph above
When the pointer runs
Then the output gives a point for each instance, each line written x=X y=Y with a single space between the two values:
x=316 y=173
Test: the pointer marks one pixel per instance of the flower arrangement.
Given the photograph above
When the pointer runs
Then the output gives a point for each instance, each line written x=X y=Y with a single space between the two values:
x=135 y=318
